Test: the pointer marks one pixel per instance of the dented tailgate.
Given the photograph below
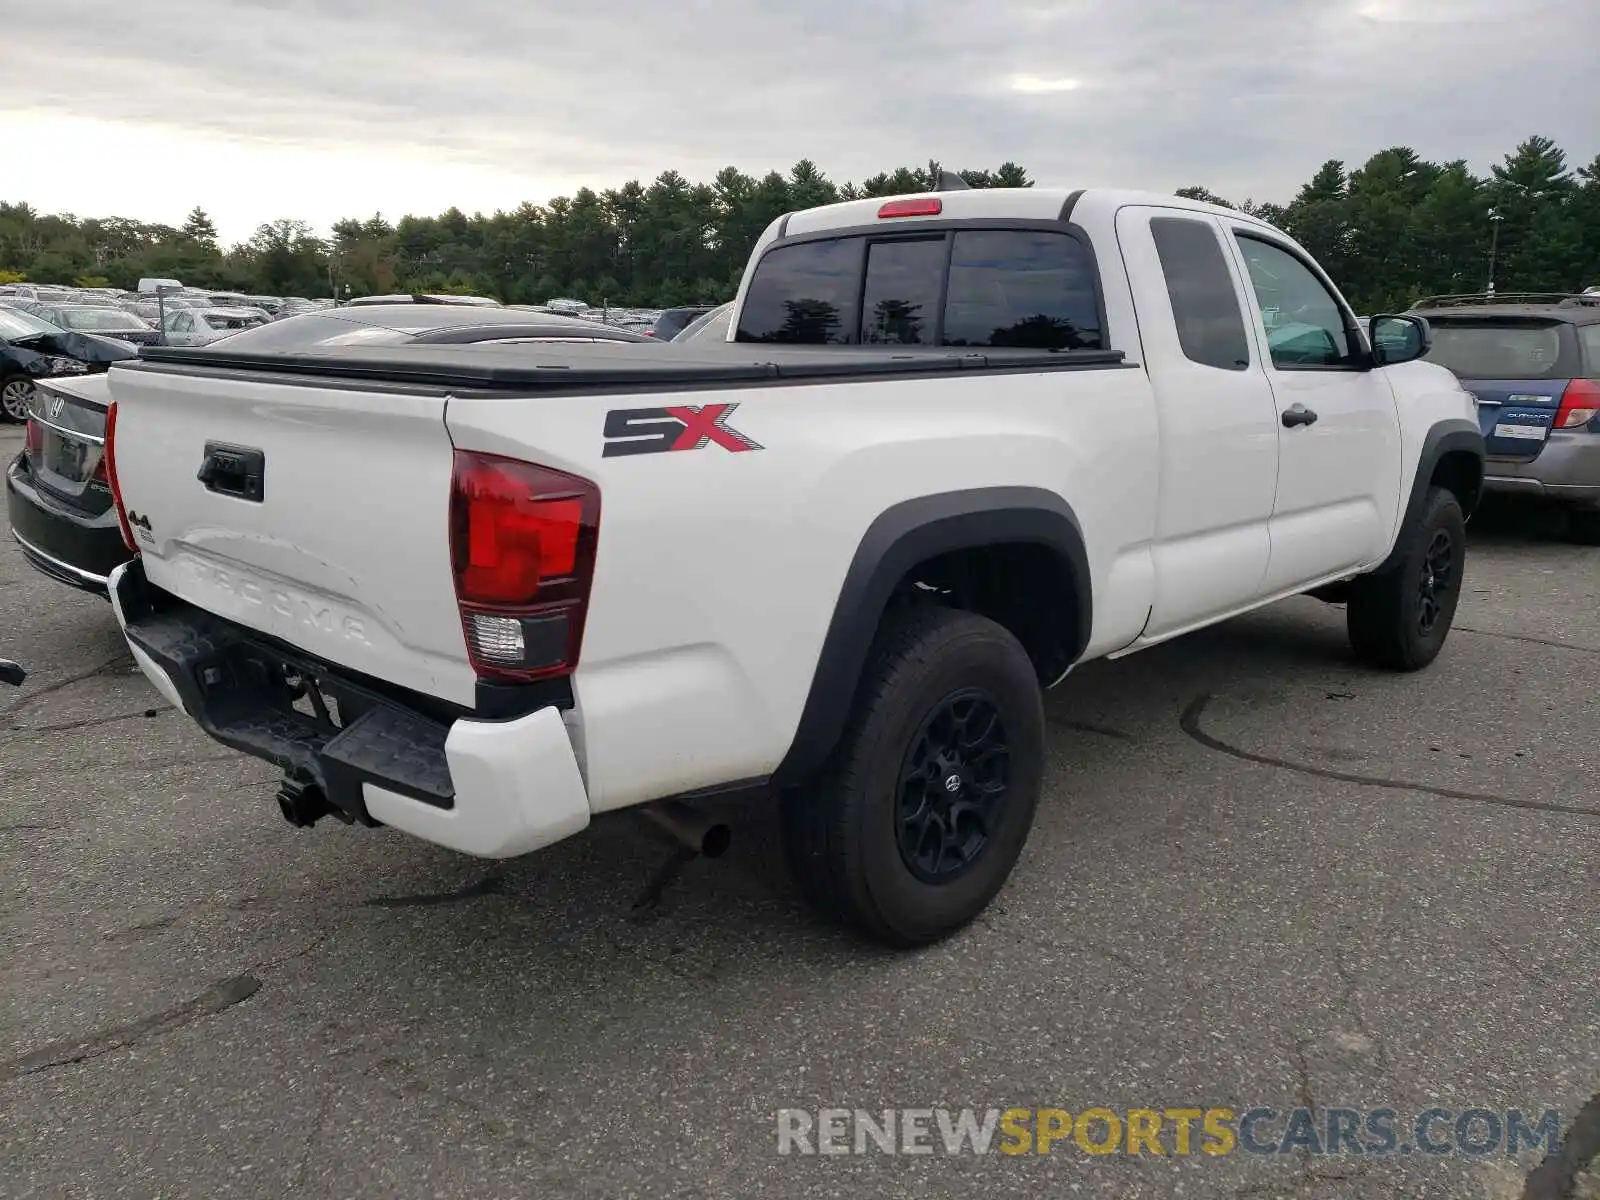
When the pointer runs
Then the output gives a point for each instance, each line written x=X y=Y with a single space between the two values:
x=318 y=515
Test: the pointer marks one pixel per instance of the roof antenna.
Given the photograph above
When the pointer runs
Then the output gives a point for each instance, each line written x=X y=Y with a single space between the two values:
x=949 y=181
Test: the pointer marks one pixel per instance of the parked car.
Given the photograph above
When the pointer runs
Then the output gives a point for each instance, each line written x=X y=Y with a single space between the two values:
x=398 y=324
x=31 y=350
x=103 y=320
x=710 y=326
x=672 y=320
x=58 y=497
x=202 y=326
x=1533 y=362
x=996 y=433
x=424 y=298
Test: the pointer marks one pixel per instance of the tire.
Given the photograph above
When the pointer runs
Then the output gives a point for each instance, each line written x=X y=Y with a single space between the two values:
x=16 y=394
x=937 y=681
x=1398 y=620
x=1583 y=526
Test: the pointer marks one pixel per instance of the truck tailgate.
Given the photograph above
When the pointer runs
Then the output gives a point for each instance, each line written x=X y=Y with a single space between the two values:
x=343 y=554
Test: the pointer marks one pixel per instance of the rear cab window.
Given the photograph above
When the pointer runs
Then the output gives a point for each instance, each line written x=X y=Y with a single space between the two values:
x=961 y=286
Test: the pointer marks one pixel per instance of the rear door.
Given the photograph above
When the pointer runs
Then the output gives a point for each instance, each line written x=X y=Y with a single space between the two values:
x=1517 y=367
x=1339 y=475
x=1218 y=422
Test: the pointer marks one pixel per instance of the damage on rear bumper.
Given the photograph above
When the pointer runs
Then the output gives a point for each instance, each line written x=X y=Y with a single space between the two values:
x=494 y=789
x=1567 y=470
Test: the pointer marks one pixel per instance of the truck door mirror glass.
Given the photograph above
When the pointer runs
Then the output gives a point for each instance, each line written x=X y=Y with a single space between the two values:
x=1399 y=339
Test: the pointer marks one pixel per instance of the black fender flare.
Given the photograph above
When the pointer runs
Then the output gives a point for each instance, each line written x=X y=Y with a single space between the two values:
x=1444 y=437
x=901 y=537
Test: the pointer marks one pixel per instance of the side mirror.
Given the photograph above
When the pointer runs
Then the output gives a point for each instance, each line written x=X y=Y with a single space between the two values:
x=1399 y=339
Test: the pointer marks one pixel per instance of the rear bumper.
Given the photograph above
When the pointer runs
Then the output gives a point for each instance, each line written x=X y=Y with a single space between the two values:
x=1567 y=471
x=67 y=545
x=494 y=789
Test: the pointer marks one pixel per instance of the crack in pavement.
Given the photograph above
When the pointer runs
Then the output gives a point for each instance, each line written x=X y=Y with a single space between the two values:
x=31 y=698
x=221 y=995
x=489 y=885
x=1556 y=1178
x=1189 y=722
x=1523 y=637
x=1086 y=727
x=90 y=722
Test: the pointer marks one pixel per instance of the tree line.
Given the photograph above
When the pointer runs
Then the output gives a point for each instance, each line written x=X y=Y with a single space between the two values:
x=1393 y=230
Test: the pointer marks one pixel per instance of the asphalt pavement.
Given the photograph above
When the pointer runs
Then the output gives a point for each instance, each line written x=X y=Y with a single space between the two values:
x=1261 y=876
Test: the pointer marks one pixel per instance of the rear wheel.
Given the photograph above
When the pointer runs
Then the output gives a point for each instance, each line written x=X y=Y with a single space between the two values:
x=1399 y=619
x=921 y=812
x=16 y=397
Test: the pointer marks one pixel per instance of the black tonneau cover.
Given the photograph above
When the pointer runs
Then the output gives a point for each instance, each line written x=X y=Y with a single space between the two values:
x=605 y=366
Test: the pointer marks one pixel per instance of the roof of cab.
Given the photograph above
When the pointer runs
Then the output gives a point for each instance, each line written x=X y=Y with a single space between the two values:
x=1015 y=204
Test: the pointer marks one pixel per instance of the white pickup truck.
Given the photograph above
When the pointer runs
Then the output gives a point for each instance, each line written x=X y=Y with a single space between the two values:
x=957 y=443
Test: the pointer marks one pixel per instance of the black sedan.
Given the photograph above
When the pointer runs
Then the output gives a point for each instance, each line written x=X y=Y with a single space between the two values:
x=57 y=494
x=31 y=349
x=56 y=489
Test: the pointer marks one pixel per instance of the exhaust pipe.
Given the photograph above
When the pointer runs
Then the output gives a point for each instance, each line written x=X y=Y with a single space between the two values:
x=689 y=827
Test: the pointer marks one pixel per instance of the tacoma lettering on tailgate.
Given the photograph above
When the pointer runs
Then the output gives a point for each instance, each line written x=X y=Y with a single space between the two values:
x=302 y=610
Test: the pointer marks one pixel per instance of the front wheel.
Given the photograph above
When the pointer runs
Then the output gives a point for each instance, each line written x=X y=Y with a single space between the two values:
x=1399 y=619
x=16 y=397
x=922 y=810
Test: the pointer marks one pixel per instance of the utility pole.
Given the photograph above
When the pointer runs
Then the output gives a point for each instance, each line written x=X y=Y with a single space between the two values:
x=1494 y=245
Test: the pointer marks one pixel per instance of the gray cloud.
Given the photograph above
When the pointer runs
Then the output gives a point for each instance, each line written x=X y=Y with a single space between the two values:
x=1245 y=96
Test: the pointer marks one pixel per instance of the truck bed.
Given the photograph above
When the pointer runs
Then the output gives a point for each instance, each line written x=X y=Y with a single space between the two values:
x=614 y=367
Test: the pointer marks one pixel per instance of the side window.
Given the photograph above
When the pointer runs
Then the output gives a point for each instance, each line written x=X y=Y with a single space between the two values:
x=1012 y=287
x=1204 y=302
x=900 y=303
x=804 y=294
x=1304 y=325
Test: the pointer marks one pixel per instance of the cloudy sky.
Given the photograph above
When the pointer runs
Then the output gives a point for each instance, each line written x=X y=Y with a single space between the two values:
x=325 y=108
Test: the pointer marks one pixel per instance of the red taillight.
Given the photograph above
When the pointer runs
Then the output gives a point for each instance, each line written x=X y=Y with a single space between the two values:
x=522 y=544
x=1579 y=404
x=930 y=206
x=35 y=442
x=111 y=477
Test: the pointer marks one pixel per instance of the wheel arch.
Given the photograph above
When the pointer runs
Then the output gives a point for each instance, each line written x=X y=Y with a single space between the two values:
x=930 y=533
x=1451 y=457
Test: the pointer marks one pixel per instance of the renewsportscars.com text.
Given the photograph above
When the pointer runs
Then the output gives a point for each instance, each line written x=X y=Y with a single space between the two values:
x=1176 y=1132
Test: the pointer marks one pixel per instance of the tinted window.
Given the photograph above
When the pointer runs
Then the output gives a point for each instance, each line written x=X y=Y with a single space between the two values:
x=1021 y=288
x=713 y=326
x=1503 y=349
x=900 y=304
x=1305 y=327
x=672 y=322
x=1204 y=303
x=804 y=294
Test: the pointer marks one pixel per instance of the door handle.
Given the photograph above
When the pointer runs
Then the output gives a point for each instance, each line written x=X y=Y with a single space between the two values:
x=1298 y=414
